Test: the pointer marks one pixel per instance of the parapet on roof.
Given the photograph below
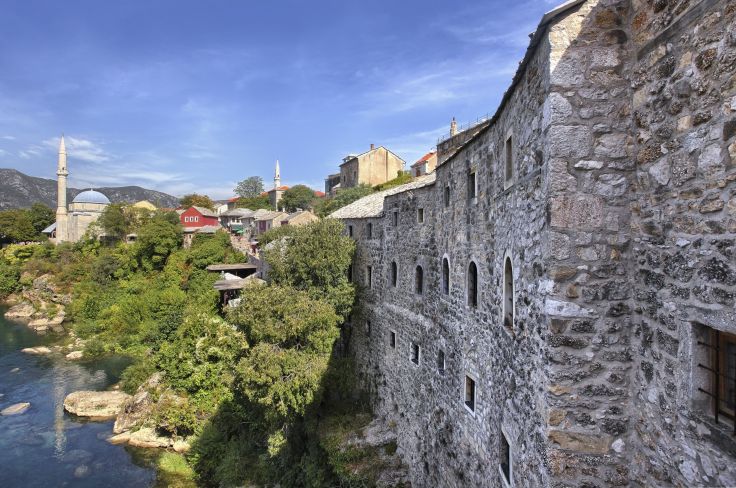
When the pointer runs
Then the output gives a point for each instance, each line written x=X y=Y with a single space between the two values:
x=372 y=205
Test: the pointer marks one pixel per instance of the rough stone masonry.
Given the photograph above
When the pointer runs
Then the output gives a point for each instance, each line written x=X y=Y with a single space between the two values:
x=542 y=310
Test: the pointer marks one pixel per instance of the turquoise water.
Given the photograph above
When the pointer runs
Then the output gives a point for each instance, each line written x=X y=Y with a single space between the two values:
x=46 y=447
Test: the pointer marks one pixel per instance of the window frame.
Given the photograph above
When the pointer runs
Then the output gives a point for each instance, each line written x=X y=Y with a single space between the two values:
x=474 y=302
x=445 y=284
x=508 y=155
x=394 y=274
x=504 y=437
x=472 y=182
x=420 y=215
x=392 y=339
x=419 y=280
x=474 y=385
x=415 y=347
x=395 y=218
x=369 y=230
x=441 y=362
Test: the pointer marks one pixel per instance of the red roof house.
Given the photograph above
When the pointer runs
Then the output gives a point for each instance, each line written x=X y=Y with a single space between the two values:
x=198 y=217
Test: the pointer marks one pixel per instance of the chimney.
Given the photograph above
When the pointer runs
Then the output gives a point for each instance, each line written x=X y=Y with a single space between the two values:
x=453 y=127
x=373 y=146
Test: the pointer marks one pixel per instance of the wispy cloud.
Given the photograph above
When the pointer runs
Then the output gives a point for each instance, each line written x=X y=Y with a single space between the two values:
x=8 y=138
x=82 y=149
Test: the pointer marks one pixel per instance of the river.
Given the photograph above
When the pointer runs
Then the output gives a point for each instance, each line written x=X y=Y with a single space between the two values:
x=46 y=447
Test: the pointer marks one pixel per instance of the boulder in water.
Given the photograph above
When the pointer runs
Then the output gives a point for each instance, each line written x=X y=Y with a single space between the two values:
x=138 y=408
x=20 y=311
x=97 y=405
x=36 y=350
x=16 y=409
x=75 y=355
x=147 y=437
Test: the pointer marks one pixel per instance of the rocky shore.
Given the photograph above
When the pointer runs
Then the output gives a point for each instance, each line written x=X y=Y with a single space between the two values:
x=133 y=414
x=42 y=306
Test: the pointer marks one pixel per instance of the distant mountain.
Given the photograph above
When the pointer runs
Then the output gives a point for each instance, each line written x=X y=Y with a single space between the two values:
x=18 y=190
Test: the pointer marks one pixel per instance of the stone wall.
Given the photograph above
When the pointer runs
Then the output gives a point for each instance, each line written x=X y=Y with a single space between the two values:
x=684 y=230
x=619 y=221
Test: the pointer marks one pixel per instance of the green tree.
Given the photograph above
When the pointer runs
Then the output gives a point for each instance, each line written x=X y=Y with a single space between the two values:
x=156 y=240
x=41 y=216
x=255 y=203
x=315 y=259
x=402 y=178
x=9 y=277
x=298 y=196
x=250 y=187
x=195 y=200
x=114 y=221
x=17 y=226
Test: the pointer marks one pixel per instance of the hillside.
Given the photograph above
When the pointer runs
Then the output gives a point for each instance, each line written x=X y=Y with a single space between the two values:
x=18 y=190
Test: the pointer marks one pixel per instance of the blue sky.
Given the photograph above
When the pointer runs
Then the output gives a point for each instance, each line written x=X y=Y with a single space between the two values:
x=183 y=96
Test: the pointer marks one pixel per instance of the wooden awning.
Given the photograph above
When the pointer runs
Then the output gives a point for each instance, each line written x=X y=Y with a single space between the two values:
x=231 y=267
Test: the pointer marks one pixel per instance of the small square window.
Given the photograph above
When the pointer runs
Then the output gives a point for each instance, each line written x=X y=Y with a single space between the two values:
x=470 y=393
x=441 y=361
x=420 y=215
x=415 y=353
x=396 y=218
x=392 y=339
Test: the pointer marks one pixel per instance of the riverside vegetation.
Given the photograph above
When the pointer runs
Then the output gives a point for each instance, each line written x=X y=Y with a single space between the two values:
x=249 y=390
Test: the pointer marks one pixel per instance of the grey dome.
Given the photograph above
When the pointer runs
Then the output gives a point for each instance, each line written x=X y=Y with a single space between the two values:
x=91 y=196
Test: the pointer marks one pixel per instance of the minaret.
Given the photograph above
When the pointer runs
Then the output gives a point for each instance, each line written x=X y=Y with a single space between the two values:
x=61 y=213
x=277 y=176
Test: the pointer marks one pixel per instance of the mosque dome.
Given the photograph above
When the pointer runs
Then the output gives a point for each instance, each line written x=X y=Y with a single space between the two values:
x=91 y=196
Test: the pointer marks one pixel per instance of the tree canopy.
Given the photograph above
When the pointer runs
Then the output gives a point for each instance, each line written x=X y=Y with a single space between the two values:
x=196 y=200
x=326 y=206
x=255 y=203
x=297 y=197
x=41 y=216
x=17 y=226
x=250 y=187
x=114 y=222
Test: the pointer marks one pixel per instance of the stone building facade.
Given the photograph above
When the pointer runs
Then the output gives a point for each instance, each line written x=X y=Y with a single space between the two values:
x=542 y=309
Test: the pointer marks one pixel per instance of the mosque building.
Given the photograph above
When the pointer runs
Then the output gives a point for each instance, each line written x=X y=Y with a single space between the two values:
x=73 y=220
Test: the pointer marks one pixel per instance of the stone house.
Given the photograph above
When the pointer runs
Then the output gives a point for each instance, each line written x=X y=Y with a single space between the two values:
x=373 y=167
x=302 y=217
x=554 y=305
x=266 y=221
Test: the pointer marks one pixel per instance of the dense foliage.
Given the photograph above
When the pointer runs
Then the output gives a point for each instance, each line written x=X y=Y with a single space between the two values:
x=325 y=206
x=255 y=203
x=23 y=225
x=246 y=388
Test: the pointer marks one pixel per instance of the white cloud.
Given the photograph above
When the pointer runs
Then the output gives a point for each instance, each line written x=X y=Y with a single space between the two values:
x=81 y=149
x=8 y=138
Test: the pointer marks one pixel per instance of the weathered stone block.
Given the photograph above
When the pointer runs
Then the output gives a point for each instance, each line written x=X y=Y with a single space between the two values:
x=581 y=442
x=577 y=211
x=569 y=141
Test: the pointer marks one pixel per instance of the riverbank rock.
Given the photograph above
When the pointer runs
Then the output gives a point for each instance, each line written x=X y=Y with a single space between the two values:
x=181 y=446
x=16 y=409
x=40 y=350
x=75 y=355
x=119 y=439
x=147 y=437
x=138 y=408
x=97 y=405
x=20 y=311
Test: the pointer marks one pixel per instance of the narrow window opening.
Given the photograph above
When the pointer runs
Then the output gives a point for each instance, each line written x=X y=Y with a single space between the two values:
x=447 y=196
x=350 y=273
x=369 y=230
x=350 y=231
x=504 y=456
x=392 y=339
x=441 y=361
x=415 y=353
x=396 y=218
x=719 y=355
x=369 y=276
x=394 y=273
x=508 y=294
x=420 y=215
x=445 y=276
x=472 y=285
x=419 y=280
x=470 y=393
x=509 y=159
x=471 y=185
x=368 y=327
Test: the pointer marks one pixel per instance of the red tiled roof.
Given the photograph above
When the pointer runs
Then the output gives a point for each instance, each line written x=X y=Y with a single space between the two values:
x=233 y=199
x=423 y=158
x=319 y=194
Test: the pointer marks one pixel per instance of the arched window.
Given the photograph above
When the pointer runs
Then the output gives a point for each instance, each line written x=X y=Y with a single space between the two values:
x=508 y=294
x=394 y=273
x=472 y=284
x=419 y=280
x=445 y=276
